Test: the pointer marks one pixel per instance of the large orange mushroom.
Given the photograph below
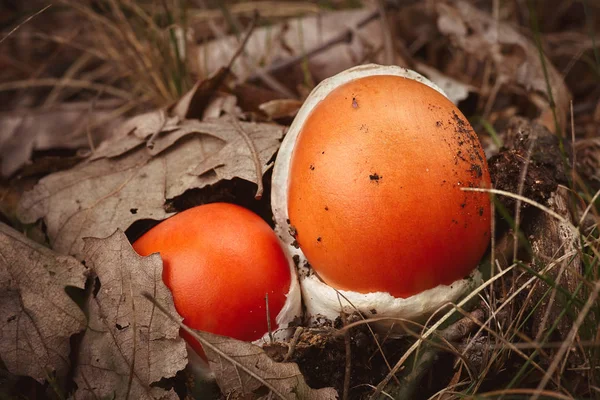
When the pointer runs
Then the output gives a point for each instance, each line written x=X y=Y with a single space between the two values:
x=220 y=262
x=369 y=182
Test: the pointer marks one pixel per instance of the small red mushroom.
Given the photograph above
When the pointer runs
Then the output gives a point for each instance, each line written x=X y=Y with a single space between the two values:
x=220 y=261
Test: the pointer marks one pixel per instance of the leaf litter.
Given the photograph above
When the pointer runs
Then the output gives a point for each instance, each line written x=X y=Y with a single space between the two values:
x=158 y=156
x=242 y=369
x=69 y=126
x=38 y=317
x=126 y=180
x=128 y=346
x=516 y=58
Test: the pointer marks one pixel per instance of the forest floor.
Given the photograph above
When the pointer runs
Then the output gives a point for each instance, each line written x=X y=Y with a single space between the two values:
x=116 y=114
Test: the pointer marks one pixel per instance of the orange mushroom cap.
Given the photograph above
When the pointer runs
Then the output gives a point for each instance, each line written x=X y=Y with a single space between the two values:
x=219 y=261
x=375 y=183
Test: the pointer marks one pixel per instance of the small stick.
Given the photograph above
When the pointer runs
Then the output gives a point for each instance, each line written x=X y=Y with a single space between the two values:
x=348 y=369
x=24 y=22
x=293 y=343
x=244 y=41
x=268 y=318
x=266 y=78
x=520 y=188
x=573 y=152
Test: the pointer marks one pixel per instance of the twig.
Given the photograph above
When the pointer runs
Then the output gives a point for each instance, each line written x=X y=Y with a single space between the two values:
x=344 y=36
x=205 y=343
x=266 y=78
x=520 y=188
x=24 y=22
x=268 y=318
x=255 y=157
x=573 y=152
x=293 y=343
x=135 y=336
x=348 y=369
x=462 y=327
x=244 y=41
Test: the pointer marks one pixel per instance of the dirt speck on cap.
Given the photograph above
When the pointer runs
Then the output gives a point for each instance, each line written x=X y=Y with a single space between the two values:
x=375 y=177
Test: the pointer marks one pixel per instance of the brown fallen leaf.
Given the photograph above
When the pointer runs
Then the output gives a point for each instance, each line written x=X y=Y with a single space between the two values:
x=123 y=186
x=516 y=59
x=145 y=128
x=23 y=132
x=129 y=345
x=236 y=149
x=243 y=369
x=134 y=132
x=38 y=317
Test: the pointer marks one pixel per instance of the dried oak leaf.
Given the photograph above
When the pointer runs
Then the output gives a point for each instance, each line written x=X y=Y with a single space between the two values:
x=243 y=369
x=38 y=317
x=66 y=127
x=134 y=132
x=516 y=58
x=129 y=345
x=130 y=183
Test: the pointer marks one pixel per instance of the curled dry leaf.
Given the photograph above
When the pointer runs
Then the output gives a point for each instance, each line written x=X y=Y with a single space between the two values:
x=67 y=127
x=281 y=108
x=516 y=58
x=243 y=369
x=192 y=104
x=38 y=317
x=126 y=183
x=222 y=104
x=129 y=345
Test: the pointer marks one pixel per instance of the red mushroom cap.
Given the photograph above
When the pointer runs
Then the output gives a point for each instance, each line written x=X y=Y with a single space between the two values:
x=219 y=261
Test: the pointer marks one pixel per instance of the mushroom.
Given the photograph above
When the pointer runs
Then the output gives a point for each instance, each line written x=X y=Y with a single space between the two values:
x=367 y=194
x=220 y=262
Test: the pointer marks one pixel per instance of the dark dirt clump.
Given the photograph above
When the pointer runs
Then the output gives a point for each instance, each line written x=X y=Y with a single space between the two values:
x=533 y=145
x=321 y=356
